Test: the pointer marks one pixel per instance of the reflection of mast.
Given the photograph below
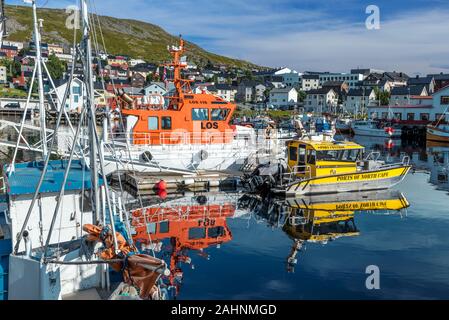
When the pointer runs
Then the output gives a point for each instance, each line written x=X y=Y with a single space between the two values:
x=181 y=85
x=291 y=259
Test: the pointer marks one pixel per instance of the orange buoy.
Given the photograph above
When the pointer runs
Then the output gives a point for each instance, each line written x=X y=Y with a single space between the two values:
x=162 y=194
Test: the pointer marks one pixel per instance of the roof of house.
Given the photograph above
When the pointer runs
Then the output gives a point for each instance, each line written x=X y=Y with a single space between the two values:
x=320 y=91
x=410 y=90
x=311 y=76
x=333 y=83
x=359 y=92
x=396 y=76
x=223 y=86
x=133 y=91
x=420 y=80
x=282 y=90
x=439 y=76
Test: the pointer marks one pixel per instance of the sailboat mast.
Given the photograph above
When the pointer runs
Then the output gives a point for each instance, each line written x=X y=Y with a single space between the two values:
x=37 y=42
x=88 y=73
x=2 y=22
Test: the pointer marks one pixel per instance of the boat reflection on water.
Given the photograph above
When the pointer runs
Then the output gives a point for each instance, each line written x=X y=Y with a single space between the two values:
x=438 y=162
x=176 y=227
x=180 y=230
x=320 y=219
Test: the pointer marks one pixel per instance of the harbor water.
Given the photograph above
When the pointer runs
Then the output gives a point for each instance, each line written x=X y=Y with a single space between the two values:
x=232 y=250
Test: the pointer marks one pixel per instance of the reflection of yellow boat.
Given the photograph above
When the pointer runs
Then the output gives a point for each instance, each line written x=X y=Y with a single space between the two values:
x=326 y=218
x=330 y=166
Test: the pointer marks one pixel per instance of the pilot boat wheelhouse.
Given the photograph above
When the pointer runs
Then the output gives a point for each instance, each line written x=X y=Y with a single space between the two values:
x=191 y=132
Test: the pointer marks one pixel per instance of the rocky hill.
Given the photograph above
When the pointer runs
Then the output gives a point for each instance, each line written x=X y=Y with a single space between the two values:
x=133 y=38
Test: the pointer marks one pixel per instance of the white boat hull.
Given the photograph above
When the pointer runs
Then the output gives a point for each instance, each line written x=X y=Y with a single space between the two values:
x=372 y=132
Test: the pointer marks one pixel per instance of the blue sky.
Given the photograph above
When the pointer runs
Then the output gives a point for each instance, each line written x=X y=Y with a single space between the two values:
x=326 y=35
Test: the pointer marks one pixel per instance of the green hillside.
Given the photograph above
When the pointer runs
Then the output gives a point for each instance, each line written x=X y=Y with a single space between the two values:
x=136 y=39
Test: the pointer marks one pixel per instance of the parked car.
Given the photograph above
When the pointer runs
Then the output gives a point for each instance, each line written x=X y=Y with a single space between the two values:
x=13 y=105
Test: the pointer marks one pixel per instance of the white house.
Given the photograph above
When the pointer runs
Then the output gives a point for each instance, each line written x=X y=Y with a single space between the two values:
x=155 y=88
x=403 y=95
x=75 y=99
x=351 y=79
x=310 y=81
x=134 y=62
x=3 y=77
x=283 y=97
x=356 y=99
x=226 y=92
x=321 y=100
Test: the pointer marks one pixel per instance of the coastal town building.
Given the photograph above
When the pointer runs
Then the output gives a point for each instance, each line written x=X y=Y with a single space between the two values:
x=418 y=81
x=3 y=75
x=403 y=95
x=310 y=81
x=321 y=100
x=283 y=97
x=351 y=79
x=359 y=99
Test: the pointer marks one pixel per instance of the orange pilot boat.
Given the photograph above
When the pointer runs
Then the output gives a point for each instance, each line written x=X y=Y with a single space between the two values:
x=184 y=131
x=187 y=226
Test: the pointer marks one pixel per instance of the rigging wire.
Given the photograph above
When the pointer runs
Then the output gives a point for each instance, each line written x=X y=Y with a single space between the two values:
x=121 y=122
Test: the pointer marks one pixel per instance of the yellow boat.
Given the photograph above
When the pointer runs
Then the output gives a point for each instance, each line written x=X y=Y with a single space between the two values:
x=319 y=167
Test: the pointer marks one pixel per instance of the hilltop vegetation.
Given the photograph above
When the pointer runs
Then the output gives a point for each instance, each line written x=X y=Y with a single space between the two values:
x=133 y=38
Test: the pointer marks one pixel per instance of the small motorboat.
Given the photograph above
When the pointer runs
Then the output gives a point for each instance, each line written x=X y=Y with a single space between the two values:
x=375 y=129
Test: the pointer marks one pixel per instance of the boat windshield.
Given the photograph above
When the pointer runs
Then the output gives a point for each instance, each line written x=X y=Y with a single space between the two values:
x=350 y=155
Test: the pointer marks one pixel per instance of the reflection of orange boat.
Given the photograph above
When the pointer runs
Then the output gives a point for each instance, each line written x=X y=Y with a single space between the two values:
x=189 y=227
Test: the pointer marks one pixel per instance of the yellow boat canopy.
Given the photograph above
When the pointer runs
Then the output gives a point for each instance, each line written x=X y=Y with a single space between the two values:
x=328 y=145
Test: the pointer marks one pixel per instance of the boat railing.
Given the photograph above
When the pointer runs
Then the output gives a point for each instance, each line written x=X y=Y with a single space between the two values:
x=405 y=162
x=304 y=170
x=174 y=138
x=373 y=155
x=2 y=185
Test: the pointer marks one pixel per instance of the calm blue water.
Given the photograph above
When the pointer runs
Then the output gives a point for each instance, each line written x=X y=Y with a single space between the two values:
x=410 y=248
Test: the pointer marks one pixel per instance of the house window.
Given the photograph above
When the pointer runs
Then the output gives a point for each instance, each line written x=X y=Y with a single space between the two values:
x=76 y=90
x=384 y=115
x=153 y=123
x=200 y=114
x=410 y=116
x=398 y=115
x=439 y=117
x=76 y=98
x=424 y=116
x=166 y=123
x=219 y=114
x=444 y=100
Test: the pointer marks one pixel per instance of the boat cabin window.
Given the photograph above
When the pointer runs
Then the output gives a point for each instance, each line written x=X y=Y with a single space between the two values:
x=311 y=157
x=166 y=123
x=197 y=233
x=349 y=155
x=215 y=232
x=219 y=114
x=153 y=123
x=200 y=114
x=293 y=153
x=301 y=155
x=164 y=227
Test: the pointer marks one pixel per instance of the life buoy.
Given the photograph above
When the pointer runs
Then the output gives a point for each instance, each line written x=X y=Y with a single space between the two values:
x=203 y=155
x=146 y=156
